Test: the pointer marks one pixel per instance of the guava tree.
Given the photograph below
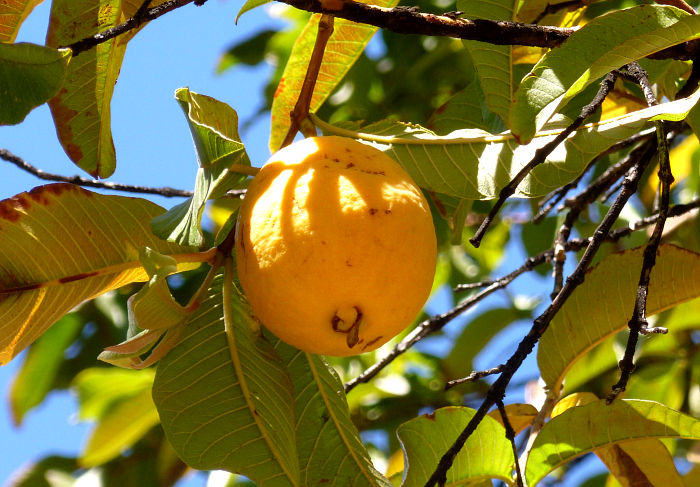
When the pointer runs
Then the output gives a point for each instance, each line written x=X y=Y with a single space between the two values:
x=561 y=131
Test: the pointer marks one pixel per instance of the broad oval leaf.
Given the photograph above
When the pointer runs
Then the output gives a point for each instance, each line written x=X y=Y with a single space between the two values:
x=584 y=428
x=12 y=14
x=633 y=463
x=606 y=43
x=228 y=407
x=81 y=109
x=603 y=305
x=486 y=454
x=29 y=76
x=331 y=452
x=493 y=63
x=120 y=403
x=344 y=47
x=47 y=267
x=37 y=376
x=214 y=129
x=474 y=164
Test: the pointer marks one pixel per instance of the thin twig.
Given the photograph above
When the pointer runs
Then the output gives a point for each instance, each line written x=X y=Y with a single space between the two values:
x=541 y=155
x=475 y=375
x=573 y=245
x=93 y=183
x=145 y=15
x=638 y=323
x=497 y=390
x=510 y=435
x=581 y=201
x=437 y=322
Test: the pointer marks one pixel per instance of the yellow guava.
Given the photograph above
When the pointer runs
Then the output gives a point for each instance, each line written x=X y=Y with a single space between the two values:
x=335 y=246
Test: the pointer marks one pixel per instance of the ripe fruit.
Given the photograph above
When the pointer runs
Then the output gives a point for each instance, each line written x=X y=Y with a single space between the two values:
x=335 y=246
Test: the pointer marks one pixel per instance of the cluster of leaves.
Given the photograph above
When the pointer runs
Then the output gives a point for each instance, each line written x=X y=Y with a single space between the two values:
x=226 y=395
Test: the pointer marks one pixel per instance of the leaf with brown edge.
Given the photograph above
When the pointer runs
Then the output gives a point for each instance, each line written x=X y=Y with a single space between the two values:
x=603 y=304
x=344 y=47
x=61 y=245
x=596 y=425
x=81 y=109
x=12 y=14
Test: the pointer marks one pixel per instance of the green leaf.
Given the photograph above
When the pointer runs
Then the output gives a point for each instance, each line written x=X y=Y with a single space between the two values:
x=47 y=268
x=250 y=5
x=486 y=454
x=29 y=76
x=605 y=43
x=466 y=109
x=493 y=64
x=475 y=164
x=250 y=51
x=81 y=109
x=344 y=47
x=36 y=376
x=121 y=405
x=330 y=450
x=220 y=153
x=582 y=429
x=12 y=14
x=227 y=406
x=607 y=296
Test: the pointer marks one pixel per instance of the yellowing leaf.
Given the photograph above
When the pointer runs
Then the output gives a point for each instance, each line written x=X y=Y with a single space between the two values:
x=81 y=109
x=520 y=416
x=61 y=245
x=585 y=428
x=573 y=400
x=681 y=158
x=633 y=463
x=603 y=305
x=12 y=14
x=486 y=454
x=343 y=48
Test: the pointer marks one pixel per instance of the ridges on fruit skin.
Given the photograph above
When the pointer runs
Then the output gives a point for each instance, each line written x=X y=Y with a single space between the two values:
x=335 y=246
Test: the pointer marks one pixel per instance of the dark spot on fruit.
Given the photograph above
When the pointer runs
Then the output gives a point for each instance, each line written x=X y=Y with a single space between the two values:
x=373 y=211
x=372 y=342
x=388 y=212
x=347 y=263
x=349 y=165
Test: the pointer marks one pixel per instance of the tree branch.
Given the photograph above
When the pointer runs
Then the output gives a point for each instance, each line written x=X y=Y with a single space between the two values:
x=497 y=391
x=541 y=155
x=142 y=15
x=94 y=183
x=638 y=323
x=404 y=20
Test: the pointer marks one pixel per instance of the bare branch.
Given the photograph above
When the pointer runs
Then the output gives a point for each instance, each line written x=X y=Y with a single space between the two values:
x=404 y=20
x=638 y=323
x=510 y=435
x=539 y=326
x=476 y=375
x=94 y=183
x=143 y=14
x=541 y=155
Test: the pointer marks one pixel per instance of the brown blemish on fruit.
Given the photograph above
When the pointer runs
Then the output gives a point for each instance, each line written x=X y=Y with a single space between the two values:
x=387 y=212
x=347 y=263
x=373 y=211
x=353 y=332
x=372 y=342
x=349 y=165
